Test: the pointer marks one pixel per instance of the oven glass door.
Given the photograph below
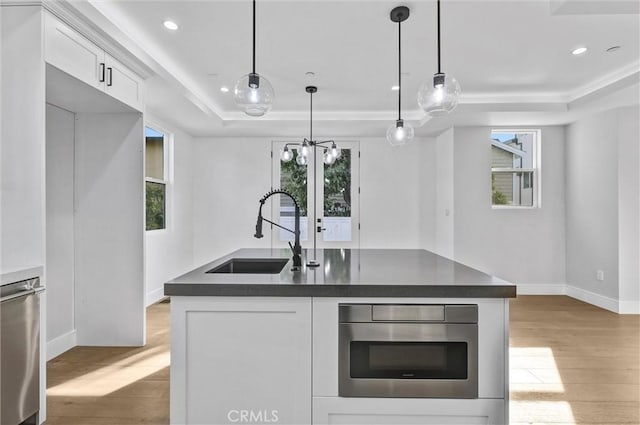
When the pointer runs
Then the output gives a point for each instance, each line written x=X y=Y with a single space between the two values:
x=408 y=360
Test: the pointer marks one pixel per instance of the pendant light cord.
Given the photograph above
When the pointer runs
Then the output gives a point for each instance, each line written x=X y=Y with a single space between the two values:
x=315 y=176
x=310 y=116
x=439 y=71
x=254 y=36
x=399 y=69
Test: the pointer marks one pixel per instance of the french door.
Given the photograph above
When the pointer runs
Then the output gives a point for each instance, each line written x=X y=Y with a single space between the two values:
x=335 y=207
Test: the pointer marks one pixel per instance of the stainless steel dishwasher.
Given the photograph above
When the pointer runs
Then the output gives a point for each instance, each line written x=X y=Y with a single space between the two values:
x=20 y=352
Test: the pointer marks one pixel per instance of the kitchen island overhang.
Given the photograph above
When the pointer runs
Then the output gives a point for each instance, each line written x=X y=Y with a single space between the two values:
x=264 y=348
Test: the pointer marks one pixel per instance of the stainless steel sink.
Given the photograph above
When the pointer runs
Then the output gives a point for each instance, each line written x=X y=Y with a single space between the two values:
x=251 y=266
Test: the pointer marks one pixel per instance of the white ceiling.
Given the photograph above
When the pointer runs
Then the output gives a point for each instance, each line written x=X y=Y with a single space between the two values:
x=510 y=57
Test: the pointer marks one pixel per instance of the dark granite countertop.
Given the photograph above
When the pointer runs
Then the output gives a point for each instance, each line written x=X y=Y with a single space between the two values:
x=347 y=273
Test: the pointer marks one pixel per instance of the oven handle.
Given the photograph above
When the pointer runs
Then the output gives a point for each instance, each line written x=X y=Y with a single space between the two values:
x=418 y=332
x=20 y=294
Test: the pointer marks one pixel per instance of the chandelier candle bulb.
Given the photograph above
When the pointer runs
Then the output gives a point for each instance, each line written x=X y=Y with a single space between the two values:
x=286 y=155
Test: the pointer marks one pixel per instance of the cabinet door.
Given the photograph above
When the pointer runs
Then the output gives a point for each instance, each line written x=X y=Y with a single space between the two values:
x=72 y=53
x=240 y=360
x=123 y=84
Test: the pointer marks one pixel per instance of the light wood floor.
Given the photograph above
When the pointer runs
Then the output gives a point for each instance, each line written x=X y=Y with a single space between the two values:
x=571 y=363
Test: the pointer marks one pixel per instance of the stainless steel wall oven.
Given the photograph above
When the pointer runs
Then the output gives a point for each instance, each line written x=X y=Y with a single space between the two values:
x=402 y=350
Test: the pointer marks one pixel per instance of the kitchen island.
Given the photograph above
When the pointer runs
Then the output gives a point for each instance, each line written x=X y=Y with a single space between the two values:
x=255 y=344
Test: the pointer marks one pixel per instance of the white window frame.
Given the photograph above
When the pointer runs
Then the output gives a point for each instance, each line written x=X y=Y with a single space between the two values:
x=167 y=168
x=535 y=170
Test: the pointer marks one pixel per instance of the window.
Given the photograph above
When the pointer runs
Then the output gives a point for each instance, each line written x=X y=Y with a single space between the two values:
x=156 y=178
x=515 y=164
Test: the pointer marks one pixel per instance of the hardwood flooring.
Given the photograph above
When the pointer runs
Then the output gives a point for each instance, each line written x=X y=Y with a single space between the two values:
x=570 y=363
x=114 y=385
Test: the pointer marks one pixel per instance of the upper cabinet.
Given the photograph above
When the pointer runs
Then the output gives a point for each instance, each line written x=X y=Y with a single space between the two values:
x=72 y=53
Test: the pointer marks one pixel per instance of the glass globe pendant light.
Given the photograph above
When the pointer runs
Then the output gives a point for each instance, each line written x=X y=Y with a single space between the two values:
x=253 y=93
x=399 y=133
x=440 y=96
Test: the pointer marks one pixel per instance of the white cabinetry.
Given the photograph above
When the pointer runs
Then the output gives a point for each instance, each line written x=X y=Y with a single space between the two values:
x=253 y=356
x=72 y=53
x=377 y=411
x=239 y=360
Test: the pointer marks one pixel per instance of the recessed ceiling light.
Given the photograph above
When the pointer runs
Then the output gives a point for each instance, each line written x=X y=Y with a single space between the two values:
x=578 y=51
x=613 y=49
x=224 y=89
x=310 y=74
x=395 y=88
x=170 y=25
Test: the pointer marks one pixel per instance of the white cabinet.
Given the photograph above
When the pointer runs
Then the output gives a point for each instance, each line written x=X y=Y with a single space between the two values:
x=275 y=360
x=239 y=360
x=121 y=83
x=72 y=53
x=401 y=411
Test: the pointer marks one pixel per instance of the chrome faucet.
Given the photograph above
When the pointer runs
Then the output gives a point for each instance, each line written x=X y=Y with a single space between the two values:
x=295 y=248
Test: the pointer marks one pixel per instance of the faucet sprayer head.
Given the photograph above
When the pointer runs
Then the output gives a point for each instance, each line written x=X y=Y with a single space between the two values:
x=258 y=233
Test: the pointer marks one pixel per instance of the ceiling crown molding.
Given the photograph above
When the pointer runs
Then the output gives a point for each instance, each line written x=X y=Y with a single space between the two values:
x=627 y=74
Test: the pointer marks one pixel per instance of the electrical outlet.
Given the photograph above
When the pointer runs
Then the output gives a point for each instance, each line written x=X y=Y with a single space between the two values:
x=600 y=275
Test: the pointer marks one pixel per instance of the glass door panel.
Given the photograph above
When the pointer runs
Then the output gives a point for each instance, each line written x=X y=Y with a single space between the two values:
x=336 y=202
x=337 y=222
x=292 y=178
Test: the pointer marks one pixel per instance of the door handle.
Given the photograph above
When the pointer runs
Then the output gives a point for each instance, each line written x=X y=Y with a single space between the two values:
x=109 y=76
x=320 y=229
x=101 y=79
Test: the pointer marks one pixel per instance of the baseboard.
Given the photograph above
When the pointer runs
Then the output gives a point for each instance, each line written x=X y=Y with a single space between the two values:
x=154 y=296
x=59 y=345
x=629 y=307
x=598 y=300
x=611 y=304
x=541 y=288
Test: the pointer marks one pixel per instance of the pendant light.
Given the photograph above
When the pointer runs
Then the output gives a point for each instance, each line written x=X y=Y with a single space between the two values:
x=331 y=151
x=399 y=133
x=253 y=93
x=440 y=96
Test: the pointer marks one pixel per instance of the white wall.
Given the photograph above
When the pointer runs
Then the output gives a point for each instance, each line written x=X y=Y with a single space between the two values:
x=60 y=230
x=427 y=193
x=109 y=229
x=629 y=209
x=395 y=185
x=602 y=209
x=444 y=222
x=592 y=203
x=230 y=176
x=524 y=246
x=22 y=139
x=169 y=252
